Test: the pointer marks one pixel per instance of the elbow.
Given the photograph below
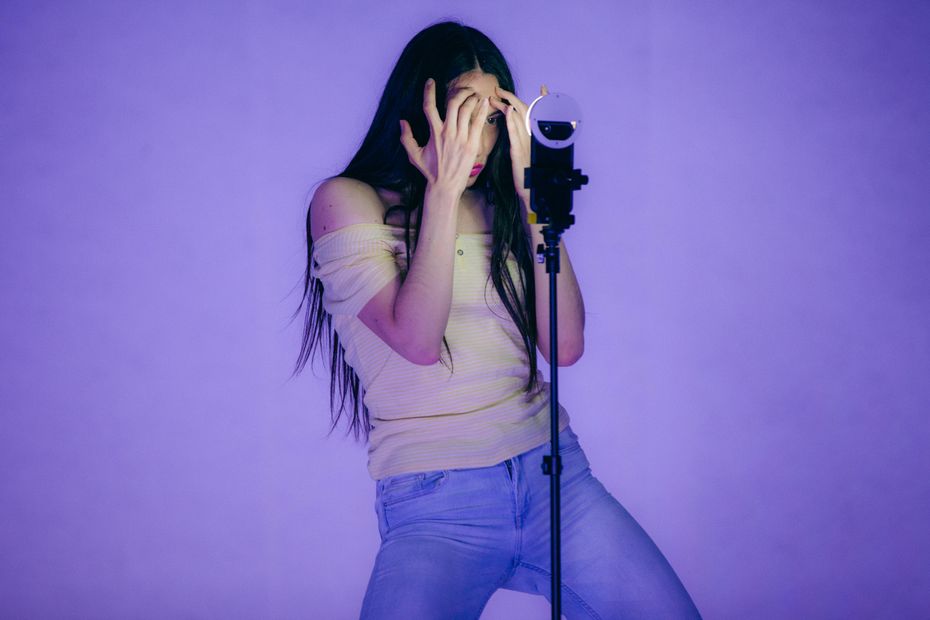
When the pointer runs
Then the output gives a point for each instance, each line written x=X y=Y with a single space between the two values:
x=568 y=360
x=427 y=360
x=423 y=356
x=569 y=353
x=413 y=346
x=571 y=356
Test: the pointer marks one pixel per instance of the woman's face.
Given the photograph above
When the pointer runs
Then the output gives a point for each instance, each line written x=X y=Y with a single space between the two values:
x=483 y=84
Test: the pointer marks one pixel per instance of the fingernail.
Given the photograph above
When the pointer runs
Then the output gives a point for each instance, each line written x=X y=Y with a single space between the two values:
x=429 y=81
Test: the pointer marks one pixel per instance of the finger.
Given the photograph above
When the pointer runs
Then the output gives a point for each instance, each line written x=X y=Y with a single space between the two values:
x=479 y=101
x=408 y=141
x=414 y=150
x=511 y=98
x=452 y=109
x=515 y=127
x=543 y=90
x=429 y=106
x=481 y=112
x=466 y=110
x=497 y=104
x=509 y=117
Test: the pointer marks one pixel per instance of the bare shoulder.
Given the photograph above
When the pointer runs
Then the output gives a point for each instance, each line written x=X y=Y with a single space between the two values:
x=340 y=201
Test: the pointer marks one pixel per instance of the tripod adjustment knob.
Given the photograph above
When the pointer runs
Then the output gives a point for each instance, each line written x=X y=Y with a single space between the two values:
x=547 y=464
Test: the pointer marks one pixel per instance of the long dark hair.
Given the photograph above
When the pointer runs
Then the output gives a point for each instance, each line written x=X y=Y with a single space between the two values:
x=443 y=51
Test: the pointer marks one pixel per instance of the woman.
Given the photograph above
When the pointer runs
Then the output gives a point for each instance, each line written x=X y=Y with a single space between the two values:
x=421 y=276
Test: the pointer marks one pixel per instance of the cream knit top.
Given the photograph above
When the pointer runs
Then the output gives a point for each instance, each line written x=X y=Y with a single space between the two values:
x=425 y=417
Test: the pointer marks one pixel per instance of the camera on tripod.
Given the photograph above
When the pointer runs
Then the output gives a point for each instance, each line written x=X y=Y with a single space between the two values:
x=553 y=122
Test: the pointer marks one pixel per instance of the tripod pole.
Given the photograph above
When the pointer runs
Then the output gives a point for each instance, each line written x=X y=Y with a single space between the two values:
x=552 y=121
x=552 y=464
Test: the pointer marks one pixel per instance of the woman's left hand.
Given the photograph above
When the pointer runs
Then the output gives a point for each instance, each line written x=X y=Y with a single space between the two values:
x=515 y=113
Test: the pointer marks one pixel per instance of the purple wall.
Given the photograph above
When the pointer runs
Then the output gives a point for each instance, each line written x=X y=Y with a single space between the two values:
x=753 y=249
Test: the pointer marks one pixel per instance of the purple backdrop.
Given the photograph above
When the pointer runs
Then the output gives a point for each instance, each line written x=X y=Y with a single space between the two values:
x=753 y=251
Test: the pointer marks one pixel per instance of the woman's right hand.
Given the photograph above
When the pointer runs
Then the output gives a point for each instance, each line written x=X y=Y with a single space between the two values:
x=447 y=158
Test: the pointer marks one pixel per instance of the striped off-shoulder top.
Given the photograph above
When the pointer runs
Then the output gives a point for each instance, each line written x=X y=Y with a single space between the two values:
x=425 y=418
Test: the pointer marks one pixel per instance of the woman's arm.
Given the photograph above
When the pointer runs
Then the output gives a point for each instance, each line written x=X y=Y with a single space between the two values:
x=410 y=317
x=569 y=302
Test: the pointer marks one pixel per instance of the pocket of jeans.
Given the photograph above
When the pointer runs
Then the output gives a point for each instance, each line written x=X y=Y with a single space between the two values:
x=404 y=487
x=568 y=441
x=574 y=461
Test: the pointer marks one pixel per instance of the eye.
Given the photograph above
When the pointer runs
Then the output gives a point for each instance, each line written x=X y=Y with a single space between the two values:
x=494 y=119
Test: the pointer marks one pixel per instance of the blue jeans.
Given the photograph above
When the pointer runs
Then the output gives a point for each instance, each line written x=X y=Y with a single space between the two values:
x=450 y=538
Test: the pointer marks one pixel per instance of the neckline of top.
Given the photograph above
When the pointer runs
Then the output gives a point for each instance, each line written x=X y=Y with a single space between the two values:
x=470 y=234
x=400 y=228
